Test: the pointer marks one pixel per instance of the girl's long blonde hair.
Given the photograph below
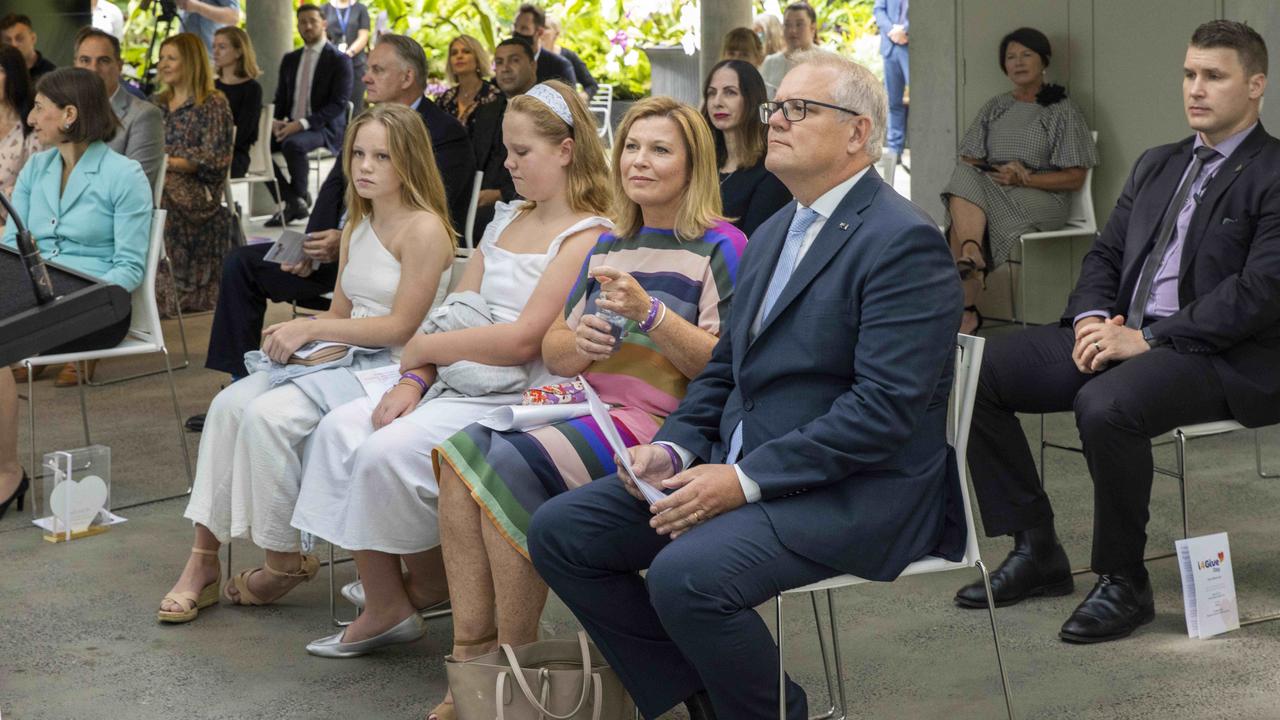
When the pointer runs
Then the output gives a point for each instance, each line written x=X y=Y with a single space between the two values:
x=411 y=156
x=588 y=175
x=701 y=207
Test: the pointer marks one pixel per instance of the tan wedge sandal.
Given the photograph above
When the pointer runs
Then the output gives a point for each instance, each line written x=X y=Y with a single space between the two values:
x=445 y=710
x=191 y=602
x=244 y=596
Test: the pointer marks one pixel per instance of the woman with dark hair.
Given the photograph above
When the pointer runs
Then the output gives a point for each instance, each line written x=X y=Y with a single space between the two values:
x=197 y=141
x=1025 y=152
x=17 y=142
x=731 y=100
x=89 y=209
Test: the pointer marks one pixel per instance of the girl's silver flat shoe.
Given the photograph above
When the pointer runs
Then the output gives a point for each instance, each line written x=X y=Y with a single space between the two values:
x=354 y=594
x=406 y=631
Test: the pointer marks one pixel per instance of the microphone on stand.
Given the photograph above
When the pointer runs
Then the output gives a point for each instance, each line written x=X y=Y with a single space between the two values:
x=37 y=273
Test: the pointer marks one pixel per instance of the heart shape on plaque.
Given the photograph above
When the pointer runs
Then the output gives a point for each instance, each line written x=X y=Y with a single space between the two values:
x=79 y=501
x=1222 y=556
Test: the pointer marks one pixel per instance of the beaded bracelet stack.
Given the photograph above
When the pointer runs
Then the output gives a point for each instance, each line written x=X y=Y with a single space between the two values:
x=648 y=325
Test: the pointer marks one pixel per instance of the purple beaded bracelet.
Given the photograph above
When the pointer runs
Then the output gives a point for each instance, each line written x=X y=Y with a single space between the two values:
x=414 y=377
x=647 y=324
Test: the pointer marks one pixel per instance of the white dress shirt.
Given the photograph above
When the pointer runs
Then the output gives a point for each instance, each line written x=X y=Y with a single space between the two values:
x=825 y=206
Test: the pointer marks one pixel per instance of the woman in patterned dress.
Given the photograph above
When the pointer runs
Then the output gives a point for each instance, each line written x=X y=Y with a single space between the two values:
x=197 y=141
x=17 y=142
x=468 y=70
x=668 y=267
x=1025 y=152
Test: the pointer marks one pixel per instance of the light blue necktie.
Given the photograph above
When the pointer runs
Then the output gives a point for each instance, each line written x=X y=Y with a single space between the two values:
x=800 y=224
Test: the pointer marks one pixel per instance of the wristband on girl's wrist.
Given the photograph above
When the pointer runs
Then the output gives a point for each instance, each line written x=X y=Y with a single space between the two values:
x=412 y=377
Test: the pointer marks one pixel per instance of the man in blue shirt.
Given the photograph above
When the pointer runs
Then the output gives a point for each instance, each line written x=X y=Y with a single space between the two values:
x=204 y=17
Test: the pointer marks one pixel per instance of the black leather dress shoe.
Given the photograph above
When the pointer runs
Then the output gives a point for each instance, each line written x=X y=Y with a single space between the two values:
x=1117 y=605
x=1037 y=567
x=699 y=706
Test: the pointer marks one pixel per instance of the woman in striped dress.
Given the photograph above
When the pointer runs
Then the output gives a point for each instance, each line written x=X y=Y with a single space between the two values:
x=669 y=268
x=1025 y=152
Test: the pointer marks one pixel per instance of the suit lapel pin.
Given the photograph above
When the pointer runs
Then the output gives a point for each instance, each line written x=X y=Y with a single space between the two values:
x=844 y=226
x=1239 y=167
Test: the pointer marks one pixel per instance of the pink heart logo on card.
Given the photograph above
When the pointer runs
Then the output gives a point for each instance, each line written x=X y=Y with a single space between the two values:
x=1221 y=556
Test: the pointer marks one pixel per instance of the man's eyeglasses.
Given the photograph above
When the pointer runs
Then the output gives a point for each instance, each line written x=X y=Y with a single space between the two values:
x=795 y=109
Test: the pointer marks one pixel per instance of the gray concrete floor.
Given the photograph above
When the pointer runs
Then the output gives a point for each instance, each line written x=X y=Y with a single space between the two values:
x=78 y=635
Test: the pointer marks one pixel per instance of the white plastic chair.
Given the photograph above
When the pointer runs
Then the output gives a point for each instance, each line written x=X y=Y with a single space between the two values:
x=323 y=153
x=602 y=103
x=146 y=336
x=468 y=233
x=963 y=392
x=158 y=193
x=1082 y=221
x=261 y=169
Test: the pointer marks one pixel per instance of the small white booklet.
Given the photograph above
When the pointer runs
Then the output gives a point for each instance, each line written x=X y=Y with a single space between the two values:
x=523 y=418
x=1208 y=585
x=600 y=412
x=377 y=381
x=287 y=248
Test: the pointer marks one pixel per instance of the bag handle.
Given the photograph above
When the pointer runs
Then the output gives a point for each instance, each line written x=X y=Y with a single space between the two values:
x=518 y=672
x=597 y=694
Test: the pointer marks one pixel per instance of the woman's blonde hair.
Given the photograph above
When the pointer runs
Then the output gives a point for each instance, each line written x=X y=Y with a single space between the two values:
x=700 y=208
x=588 y=174
x=481 y=55
x=411 y=156
x=744 y=45
x=247 y=65
x=195 y=71
x=774 y=40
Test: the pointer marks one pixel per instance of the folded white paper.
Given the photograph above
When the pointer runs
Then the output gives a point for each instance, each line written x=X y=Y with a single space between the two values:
x=600 y=412
x=1208 y=585
x=377 y=381
x=522 y=418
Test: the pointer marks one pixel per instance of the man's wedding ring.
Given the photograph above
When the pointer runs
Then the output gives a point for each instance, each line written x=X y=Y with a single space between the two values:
x=1096 y=346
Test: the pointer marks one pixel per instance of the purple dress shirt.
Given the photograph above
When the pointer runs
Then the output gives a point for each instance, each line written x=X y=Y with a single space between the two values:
x=1164 y=287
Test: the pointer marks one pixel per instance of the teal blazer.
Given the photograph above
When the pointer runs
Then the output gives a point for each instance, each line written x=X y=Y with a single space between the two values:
x=100 y=224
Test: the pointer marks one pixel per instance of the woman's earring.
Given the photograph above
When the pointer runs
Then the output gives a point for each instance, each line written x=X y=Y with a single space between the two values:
x=66 y=128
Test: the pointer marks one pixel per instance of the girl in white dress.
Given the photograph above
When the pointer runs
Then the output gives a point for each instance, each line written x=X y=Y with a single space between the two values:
x=369 y=484
x=394 y=261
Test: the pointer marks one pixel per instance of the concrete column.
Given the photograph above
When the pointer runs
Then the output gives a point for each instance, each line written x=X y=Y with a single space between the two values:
x=270 y=26
x=718 y=18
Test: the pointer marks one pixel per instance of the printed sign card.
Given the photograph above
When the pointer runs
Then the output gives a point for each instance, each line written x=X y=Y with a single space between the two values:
x=1208 y=585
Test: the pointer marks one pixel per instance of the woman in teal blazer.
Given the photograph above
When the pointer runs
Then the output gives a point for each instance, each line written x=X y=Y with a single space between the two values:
x=88 y=208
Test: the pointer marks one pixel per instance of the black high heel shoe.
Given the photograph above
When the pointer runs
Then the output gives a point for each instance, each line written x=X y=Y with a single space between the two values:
x=967 y=267
x=19 y=494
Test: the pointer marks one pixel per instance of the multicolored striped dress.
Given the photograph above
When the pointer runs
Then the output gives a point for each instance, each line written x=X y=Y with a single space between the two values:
x=512 y=473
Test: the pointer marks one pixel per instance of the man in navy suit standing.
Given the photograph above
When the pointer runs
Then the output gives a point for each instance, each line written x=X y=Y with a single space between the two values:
x=891 y=19
x=813 y=444
x=1175 y=320
x=311 y=109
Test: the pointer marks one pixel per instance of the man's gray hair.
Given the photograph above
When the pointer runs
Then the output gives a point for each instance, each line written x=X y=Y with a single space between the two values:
x=857 y=89
x=410 y=54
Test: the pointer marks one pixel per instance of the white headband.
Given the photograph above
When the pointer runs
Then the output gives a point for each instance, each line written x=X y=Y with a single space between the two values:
x=552 y=99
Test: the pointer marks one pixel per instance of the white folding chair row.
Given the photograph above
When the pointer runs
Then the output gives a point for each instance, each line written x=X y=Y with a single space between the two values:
x=473 y=206
x=323 y=153
x=261 y=169
x=146 y=336
x=963 y=393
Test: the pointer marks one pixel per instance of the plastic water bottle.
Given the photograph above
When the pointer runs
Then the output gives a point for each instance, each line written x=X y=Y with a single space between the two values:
x=617 y=325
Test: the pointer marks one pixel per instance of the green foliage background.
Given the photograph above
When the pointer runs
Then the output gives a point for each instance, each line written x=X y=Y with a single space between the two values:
x=607 y=34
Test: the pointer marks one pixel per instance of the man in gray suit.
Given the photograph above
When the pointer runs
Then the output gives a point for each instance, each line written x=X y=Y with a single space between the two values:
x=142 y=135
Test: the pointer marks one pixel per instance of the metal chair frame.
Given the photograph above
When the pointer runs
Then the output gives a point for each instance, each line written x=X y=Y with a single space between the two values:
x=964 y=389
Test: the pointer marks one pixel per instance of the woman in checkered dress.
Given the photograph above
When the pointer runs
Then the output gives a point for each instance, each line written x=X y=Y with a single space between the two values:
x=1025 y=152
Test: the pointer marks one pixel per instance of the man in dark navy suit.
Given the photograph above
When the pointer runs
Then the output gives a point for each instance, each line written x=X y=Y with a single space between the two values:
x=812 y=444
x=311 y=108
x=1175 y=320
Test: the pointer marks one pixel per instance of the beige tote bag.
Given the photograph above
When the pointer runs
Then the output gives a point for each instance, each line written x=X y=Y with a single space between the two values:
x=544 y=680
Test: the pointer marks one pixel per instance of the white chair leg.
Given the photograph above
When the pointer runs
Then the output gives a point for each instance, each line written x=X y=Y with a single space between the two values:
x=835 y=648
x=333 y=593
x=995 y=638
x=177 y=415
x=1257 y=454
x=826 y=667
x=782 y=667
x=84 y=405
x=31 y=424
